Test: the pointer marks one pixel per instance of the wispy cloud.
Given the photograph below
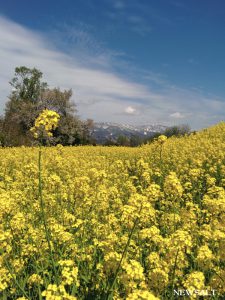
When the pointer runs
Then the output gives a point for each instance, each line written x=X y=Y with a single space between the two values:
x=124 y=13
x=20 y=46
x=99 y=91
x=192 y=61
x=119 y=4
x=179 y=4
x=139 y=25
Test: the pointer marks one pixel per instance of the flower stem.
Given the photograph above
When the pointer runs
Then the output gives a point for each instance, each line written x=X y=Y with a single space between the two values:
x=42 y=206
x=16 y=282
x=111 y=289
x=173 y=274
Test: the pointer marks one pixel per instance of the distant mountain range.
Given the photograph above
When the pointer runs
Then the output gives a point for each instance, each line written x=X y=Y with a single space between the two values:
x=103 y=131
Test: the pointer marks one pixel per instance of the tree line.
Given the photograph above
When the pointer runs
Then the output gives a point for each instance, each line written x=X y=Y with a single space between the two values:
x=30 y=95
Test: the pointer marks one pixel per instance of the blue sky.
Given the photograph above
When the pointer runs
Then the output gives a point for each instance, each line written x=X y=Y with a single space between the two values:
x=127 y=61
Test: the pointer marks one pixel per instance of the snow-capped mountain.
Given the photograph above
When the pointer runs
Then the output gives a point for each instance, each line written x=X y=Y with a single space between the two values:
x=104 y=131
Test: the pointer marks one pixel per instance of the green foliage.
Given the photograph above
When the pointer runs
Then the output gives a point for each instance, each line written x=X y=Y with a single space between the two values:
x=135 y=141
x=123 y=140
x=27 y=84
x=179 y=130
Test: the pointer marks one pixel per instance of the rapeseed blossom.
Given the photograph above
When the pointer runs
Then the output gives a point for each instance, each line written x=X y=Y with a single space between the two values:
x=45 y=123
x=93 y=197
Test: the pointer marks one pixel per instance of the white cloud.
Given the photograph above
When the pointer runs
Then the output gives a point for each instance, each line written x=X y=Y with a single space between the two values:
x=100 y=92
x=130 y=110
x=177 y=115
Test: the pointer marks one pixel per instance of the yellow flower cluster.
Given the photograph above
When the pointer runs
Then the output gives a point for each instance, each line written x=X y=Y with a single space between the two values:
x=69 y=272
x=54 y=292
x=45 y=123
x=162 y=139
x=195 y=281
x=120 y=223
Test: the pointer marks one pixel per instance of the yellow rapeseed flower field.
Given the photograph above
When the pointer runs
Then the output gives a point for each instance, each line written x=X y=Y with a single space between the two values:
x=114 y=222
